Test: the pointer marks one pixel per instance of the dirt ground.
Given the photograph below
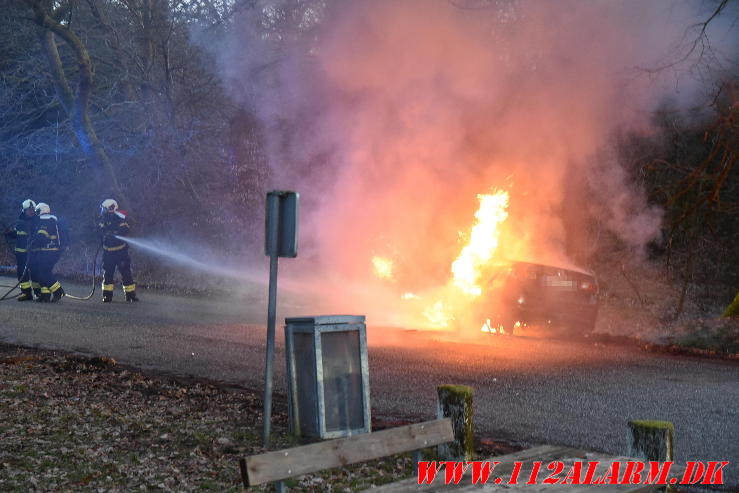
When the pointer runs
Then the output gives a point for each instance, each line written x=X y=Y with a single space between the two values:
x=71 y=423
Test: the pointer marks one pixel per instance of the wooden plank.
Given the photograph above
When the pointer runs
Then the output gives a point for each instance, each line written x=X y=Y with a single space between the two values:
x=282 y=464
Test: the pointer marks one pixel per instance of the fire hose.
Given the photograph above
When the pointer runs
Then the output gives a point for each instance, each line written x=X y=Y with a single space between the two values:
x=81 y=298
x=5 y=296
x=92 y=291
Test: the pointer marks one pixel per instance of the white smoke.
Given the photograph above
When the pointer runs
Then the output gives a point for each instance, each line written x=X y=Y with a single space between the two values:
x=390 y=117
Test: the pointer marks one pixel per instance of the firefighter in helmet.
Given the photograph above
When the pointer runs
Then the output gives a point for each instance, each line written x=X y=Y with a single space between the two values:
x=113 y=224
x=21 y=232
x=45 y=252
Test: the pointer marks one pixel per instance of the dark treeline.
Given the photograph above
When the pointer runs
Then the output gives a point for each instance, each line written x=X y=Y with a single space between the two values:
x=690 y=169
x=111 y=98
x=105 y=99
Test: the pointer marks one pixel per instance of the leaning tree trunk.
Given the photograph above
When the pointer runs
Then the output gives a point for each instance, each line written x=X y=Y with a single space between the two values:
x=75 y=104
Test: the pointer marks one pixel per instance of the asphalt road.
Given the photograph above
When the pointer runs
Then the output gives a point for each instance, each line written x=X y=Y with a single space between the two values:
x=530 y=389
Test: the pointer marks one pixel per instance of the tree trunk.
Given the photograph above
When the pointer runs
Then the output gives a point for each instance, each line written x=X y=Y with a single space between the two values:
x=76 y=104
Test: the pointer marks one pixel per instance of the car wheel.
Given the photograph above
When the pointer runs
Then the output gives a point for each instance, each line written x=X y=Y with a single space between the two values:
x=509 y=325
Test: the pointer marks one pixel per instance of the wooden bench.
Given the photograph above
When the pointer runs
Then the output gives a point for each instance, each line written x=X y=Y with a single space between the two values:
x=288 y=463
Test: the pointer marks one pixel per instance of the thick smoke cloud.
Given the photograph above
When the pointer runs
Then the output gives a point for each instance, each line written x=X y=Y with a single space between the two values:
x=390 y=117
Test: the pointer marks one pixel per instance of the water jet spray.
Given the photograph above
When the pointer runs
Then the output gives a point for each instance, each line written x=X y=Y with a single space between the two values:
x=169 y=252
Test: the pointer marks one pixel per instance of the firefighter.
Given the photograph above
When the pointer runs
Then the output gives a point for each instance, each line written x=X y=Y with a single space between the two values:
x=115 y=251
x=45 y=252
x=21 y=232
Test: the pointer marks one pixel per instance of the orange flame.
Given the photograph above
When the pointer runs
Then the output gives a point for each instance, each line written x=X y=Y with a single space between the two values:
x=498 y=329
x=383 y=267
x=469 y=266
x=438 y=315
x=483 y=242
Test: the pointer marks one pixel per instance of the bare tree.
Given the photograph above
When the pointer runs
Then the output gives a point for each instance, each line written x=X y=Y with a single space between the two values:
x=75 y=102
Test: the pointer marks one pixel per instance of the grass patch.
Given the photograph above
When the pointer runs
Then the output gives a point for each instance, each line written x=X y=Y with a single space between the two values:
x=717 y=336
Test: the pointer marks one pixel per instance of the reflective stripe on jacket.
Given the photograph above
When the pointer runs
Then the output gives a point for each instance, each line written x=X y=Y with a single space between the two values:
x=46 y=238
x=22 y=231
x=113 y=224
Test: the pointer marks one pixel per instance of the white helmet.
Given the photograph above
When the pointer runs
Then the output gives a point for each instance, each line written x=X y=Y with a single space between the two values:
x=43 y=208
x=28 y=204
x=108 y=205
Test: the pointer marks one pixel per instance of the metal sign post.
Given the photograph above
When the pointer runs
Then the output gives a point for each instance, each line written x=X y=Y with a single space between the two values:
x=281 y=240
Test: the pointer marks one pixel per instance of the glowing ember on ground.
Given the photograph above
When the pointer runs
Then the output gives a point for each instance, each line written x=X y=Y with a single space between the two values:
x=487 y=327
x=483 y=242
x=383 y=267
x=499 y=329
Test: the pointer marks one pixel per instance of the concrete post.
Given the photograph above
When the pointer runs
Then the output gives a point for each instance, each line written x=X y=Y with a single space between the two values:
x=455 y=402
x=651 y=441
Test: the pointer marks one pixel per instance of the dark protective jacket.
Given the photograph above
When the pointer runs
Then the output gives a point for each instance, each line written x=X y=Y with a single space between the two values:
x=46 y=237
x=22 y=231
x=113 y=224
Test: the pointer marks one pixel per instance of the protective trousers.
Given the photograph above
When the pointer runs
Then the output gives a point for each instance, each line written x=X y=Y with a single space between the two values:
x=112 y=260
x=23 y=272
x=42 y=271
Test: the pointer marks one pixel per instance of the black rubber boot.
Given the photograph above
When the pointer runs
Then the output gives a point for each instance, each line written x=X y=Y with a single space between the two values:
x=57 y=295
x=107 y=296
x=131 y=297
x=44 y=298
x=26 y=295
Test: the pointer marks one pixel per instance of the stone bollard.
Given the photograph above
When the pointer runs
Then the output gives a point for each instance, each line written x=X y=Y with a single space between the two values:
x=651 y=441
x=455 y=402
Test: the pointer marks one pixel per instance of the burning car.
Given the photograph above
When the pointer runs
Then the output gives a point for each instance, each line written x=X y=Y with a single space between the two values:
x=489 y=287
x=528 y=294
